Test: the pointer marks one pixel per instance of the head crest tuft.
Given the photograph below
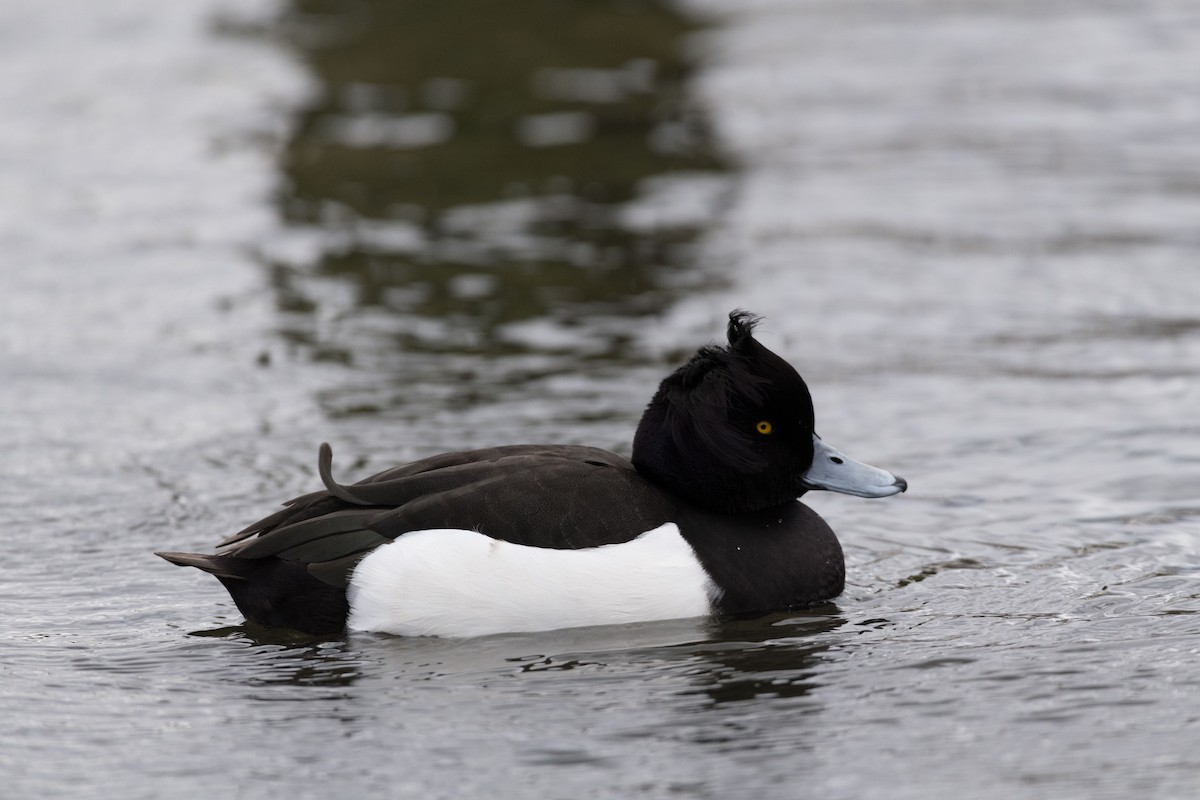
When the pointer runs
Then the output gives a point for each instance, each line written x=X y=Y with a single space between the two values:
x=741 y=327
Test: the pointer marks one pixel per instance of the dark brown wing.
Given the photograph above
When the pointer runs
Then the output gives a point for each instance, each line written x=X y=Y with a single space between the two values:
x=560 y=497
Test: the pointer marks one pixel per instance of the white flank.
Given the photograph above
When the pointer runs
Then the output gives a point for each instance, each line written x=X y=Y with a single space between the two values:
x=461 y=583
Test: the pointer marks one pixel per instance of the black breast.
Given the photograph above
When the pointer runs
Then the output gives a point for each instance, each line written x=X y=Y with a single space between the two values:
x=782 y=557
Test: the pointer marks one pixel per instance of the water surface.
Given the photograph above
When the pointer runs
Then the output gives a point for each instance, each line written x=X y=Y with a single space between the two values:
x=248 y=228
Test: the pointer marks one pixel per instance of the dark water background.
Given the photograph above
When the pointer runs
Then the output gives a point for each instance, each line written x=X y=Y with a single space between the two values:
x=230 y=231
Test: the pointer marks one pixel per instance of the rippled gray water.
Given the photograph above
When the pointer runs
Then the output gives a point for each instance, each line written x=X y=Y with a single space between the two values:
x=233 y=230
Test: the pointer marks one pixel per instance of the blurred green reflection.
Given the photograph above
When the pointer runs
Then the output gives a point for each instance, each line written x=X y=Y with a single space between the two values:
x=477 y=164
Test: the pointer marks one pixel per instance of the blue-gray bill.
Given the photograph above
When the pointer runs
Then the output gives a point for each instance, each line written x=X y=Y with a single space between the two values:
x=834 y=472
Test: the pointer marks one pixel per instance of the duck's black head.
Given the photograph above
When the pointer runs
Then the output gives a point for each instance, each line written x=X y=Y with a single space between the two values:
x=732 y=430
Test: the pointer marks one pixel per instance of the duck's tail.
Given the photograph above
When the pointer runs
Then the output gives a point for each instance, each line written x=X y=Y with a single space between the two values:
x=224 y=567
x=274 y=592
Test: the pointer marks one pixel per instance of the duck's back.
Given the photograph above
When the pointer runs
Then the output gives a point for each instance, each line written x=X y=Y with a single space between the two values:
x=557 y=496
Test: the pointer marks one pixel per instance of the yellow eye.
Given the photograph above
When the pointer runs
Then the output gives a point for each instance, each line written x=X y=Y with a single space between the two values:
x=763 y=427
